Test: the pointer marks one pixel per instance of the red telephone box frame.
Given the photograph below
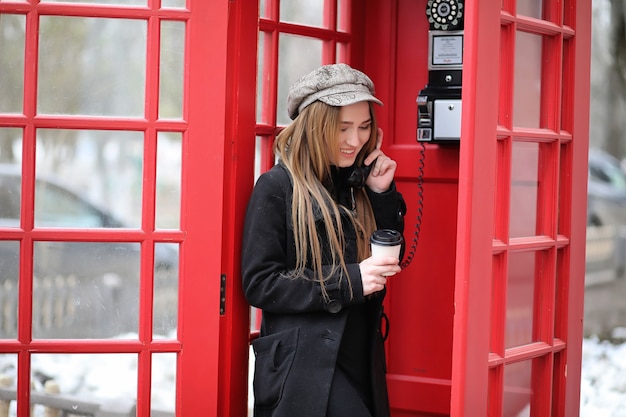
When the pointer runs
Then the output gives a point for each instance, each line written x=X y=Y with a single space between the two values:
x=464 y=377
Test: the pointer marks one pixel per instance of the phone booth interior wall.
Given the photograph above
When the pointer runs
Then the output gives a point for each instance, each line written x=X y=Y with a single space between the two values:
x=420 y=301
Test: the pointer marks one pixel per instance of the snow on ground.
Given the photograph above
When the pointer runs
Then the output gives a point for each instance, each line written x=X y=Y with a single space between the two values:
x=603 y=382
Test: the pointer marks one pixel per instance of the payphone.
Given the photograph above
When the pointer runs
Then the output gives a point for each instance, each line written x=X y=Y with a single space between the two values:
x=439 y=102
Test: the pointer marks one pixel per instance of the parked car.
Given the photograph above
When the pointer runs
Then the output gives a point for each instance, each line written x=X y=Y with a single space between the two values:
x=606 y=218
x=606 y=190
x=80 y=289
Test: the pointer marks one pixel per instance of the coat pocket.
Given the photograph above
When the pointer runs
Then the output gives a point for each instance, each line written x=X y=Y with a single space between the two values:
x=274 y=356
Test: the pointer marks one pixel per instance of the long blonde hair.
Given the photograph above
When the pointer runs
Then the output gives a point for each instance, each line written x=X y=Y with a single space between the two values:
x=305 y=147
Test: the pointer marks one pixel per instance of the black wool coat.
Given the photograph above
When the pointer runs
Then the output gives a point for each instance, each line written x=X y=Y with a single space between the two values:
x=301 y=332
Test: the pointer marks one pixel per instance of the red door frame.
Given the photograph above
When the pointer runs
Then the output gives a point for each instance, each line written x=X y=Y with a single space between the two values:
x=239 y=157
x=217 y=89
x=475 y=318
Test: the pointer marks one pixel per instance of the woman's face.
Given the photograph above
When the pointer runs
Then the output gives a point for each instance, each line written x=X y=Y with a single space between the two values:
x=355 y=126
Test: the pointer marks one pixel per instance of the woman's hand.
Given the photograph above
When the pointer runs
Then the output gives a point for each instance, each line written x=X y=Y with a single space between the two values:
x=372 y=270
x=384 y=169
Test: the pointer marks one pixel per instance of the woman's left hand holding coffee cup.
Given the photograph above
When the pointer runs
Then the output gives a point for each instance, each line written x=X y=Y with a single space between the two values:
x=386 y=245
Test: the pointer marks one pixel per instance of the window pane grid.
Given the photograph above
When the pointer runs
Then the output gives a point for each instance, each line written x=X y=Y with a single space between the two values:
x=39 y=317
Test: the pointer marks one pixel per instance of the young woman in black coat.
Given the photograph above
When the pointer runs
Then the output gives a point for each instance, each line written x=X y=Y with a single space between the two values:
x=306 y=259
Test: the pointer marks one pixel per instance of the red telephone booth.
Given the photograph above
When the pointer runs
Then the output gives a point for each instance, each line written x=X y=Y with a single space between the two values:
x=487 y=318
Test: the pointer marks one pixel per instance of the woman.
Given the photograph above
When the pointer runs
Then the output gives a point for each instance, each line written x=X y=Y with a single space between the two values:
x=306 y=258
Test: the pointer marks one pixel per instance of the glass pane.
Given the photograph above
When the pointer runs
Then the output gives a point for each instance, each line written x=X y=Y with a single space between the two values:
x=258 y=152
x=10 y=145
x=518 y=390
x=561 y=295
x=10 y=193
x=263 y=103
x=527 y=83
x=532 y=8
x=9 y=265
x=172 y=62
x=343 y=15
x=173 y=4
x=343 y=50
x=84 y=383
x=163 y=383
x=520 y=298
x=598 y=115
x=304 y=12
x=501 y=195
x=297 y=56
x=85 y=290
x=8 y=383
x=122 y=2
x=264 y=9
x=166 y=290
x=108 y=71
x=88 y=178
x=498 y=307
x=168 y=180
x=524 y=189
x=12 y=41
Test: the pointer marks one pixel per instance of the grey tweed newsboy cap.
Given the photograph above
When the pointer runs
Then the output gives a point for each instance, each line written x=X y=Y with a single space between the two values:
x=335 y=85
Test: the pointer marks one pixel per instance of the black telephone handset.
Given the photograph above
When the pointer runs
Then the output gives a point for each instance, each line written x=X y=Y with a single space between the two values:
x=359 y=175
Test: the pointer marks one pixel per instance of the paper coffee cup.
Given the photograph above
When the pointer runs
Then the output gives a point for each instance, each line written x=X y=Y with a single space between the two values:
x=386 y=242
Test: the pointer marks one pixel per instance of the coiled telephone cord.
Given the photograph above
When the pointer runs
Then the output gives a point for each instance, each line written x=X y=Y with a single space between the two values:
x=420 y=207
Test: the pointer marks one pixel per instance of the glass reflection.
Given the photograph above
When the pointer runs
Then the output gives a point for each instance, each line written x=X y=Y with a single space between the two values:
x=85 y=383
x=10 y=151
x=343 y=23
x=171 y=71
x=10 y=195
x=88 y=178
x=298 y=56
x=8 y=382
x=165 y=309
x=9 y=273
x=12 y=39
x=520 y=299
x=518 y=391
x=122 y=2
x=163 y=383
x=304 y=12
x=264 y=10
x=173 y=4
x=527 y=80
x=524 y=189
x=168 y=180
x=107 y=75
x=85 y=290
x=262 y=92
x=532 y=8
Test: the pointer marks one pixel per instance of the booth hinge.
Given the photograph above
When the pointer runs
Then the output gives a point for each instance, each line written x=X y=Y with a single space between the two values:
x=222 y=294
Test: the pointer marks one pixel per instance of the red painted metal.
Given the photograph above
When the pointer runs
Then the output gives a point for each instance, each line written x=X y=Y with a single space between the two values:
x=198 y=342
x=575 y=119
x=239 y=153
x=473 y=271
x=448 y=348
x=203 y=205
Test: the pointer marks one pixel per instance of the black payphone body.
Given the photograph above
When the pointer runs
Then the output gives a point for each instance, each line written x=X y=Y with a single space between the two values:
x=439 y=102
